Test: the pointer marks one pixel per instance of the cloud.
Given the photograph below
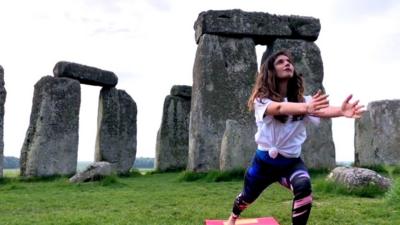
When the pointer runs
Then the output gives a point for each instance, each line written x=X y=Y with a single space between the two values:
x=161 y=5
x=105 y=6
x=110 y=30
x=360 y=9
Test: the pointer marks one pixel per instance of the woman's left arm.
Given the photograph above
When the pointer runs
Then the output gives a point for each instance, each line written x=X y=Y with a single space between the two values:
x=348 y=110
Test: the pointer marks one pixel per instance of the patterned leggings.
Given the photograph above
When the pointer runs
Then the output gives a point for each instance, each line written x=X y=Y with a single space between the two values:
x=289 y=172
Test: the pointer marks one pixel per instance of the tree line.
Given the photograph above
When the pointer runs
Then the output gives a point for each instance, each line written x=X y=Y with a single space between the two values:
x=10 y=162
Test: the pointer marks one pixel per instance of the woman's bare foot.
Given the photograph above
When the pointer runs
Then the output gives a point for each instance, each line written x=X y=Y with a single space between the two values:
x=232 y=220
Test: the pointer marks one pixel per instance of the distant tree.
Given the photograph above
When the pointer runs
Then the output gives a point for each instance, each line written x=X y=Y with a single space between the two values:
x=10 y=162
x=143 y=162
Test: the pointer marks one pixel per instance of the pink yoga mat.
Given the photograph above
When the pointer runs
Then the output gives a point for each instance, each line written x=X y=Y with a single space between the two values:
x=247 y=221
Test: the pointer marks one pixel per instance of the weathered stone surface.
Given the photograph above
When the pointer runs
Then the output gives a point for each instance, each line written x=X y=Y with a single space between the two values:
x=377 y=134
x=183 y=91
x=233 y=155
x=173 y=136
x=116 y=129
x=358 y=177
x=213 y=28
x=307 y=60
x=3 y=95
x=319 y=149
x=94 y=171
x=223 y=76
x=85 y=74
x=51 y=142
x=262 y=27
x=1 y=76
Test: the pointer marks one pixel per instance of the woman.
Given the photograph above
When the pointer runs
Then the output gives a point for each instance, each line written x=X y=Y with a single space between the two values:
x=281 y=112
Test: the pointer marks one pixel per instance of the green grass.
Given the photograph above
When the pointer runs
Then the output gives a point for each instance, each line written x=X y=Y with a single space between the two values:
x=163 y=198
x=369 y=191
x=10 y=172
x=393 y=195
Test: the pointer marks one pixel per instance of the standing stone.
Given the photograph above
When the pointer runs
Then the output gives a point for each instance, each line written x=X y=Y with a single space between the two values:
x=377 y=134
x=223 y=75
x=319 y=150
x=233 y=155
x=51 y=142
x=3 y=94
x=173 y=136
x=116 y=129
x=85 y=74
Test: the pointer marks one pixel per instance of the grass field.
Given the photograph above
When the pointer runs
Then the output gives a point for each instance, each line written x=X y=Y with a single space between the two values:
x=161 y=198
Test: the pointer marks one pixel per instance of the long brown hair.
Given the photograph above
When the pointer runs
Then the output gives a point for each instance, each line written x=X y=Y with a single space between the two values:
x=267 y=86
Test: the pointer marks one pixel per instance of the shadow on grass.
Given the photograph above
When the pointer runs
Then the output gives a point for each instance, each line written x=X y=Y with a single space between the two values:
x=43 y=179
x=12 y=183
x=170 y=170
x=111 y=181
x=212 y=176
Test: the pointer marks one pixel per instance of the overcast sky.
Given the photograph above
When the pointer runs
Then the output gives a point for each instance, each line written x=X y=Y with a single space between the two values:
x=150 y=46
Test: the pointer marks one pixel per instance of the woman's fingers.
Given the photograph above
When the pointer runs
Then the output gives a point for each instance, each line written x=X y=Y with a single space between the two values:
x=358 y=111
x=316 y=95
x=319 y=101
x=322 y=99
x=355 y=103
x=357 y=108
x=348 y=98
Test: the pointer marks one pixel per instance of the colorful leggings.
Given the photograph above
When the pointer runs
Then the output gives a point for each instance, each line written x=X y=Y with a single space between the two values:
x=289 y=172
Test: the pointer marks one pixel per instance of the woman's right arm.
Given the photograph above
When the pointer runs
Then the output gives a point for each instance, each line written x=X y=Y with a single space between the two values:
x=318 y=102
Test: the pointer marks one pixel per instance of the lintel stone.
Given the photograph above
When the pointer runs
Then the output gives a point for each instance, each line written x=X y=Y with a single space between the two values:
x=262 y=27
x=183 y=91
x=85 y=74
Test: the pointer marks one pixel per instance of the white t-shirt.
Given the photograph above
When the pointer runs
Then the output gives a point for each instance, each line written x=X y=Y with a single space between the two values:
x=275 y=136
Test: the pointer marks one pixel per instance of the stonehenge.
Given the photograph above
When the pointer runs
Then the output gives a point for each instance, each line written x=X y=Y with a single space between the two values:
x=221 y=129
x=224 y=72
x=51 y=142
x=206 y=126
